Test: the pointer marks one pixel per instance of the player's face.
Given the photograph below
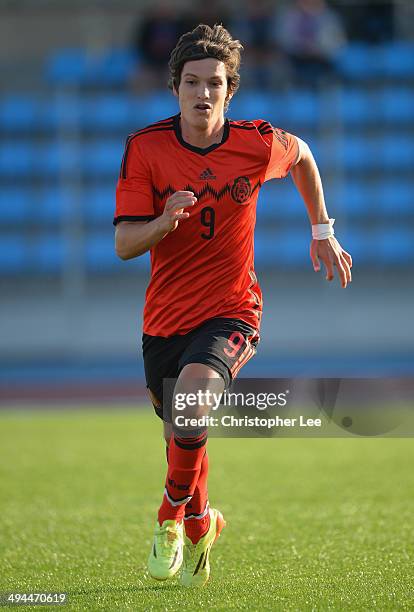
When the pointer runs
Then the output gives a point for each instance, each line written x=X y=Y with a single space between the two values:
x=202 y=92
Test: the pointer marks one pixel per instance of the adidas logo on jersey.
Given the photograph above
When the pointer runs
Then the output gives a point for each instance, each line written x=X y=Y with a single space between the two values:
x=207 y=175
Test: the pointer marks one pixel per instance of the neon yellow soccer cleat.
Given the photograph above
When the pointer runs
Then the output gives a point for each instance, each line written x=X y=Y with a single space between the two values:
x=196 y=566
x=166 y=554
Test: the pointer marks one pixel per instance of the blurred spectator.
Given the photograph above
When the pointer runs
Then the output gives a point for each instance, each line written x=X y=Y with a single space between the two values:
x=264 y=65
x=209 y=12
x=154 y=38
x=158 y=32
x=311 y=34
x=369 y=22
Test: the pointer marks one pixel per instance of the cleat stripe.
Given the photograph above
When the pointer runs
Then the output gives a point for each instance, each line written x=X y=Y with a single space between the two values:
x=174 y=560
x=154 y=551
x=206 y=557
x=199 y=563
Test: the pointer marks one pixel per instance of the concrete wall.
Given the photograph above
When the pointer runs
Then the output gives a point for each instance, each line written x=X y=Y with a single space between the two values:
x=303 y=316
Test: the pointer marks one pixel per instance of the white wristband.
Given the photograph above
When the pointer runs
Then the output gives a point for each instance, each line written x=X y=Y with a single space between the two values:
x=322 y=231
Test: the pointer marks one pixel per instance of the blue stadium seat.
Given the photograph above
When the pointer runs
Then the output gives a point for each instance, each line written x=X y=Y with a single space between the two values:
x=395 y=196
x=26 y=159
x=13 y=254
x=358 y=61
x=113 y=67
x=293 y=248
x=47 y=254
x=350 y=153
x=398 y=60
x=100 y=253
x=98 y=204
x=19 y=113
x=316 y=145
x=48 y=163
x=362 y=245
x=396 y=105
x=395 y=152
x=357 y=198
x=15 y=205
x=62 y=111
x=358 y=107
x=54 y=205
x=264 y=248
x=50 y=205
x=107 y=112
x=78 y=66
x=363 y=62
x=396 y=246
x=153 y=107
x=67 y=66
x=58 y=159
x=99 y=159
x=141 y=116
x=279 y=200
x=17 y=159
x=101 y=257
x=102 y=159
x=288 y=248
x=295 y=108
x=252 y=104
x=303 y=108
x=388 y=246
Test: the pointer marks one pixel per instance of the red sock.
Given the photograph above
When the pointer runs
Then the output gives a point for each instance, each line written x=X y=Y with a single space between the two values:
x=197 y=516
x=185 y=456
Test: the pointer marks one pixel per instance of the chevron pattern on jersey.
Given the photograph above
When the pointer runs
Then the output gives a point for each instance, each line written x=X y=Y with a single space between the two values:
x=206 y=190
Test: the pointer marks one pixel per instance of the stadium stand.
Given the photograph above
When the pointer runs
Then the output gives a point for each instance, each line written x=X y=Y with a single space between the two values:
x=60 y=152
x=392 y=61
x=77 y=66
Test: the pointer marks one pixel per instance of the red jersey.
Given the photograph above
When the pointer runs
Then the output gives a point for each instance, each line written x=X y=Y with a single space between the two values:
x=205 y=268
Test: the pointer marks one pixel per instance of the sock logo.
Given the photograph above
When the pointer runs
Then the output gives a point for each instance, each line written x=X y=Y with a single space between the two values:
x=207 y=175
x=180 y=487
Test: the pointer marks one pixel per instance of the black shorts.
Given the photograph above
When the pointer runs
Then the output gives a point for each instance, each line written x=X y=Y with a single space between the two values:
x=223 y=344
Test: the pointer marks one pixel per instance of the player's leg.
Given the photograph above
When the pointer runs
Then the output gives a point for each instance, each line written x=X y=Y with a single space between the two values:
x=166 y=555
x=225 y=345
x=197 y=518
x=187 y=472
x=161 y=361
x=187 y=447
x=167 y=434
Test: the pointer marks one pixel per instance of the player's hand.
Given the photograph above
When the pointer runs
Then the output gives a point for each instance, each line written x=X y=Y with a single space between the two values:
x=332 y=255
x=174 y=209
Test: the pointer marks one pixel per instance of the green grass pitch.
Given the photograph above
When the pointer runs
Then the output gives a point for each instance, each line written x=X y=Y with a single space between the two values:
x=315 y=524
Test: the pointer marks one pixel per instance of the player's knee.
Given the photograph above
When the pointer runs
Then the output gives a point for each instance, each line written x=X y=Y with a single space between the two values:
x=197 y=390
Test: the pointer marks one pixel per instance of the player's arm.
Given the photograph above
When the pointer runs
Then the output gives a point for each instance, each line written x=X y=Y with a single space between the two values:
x=133 y=238
x=307 y=179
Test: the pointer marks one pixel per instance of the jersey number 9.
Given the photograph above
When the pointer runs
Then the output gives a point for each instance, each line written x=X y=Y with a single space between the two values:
x=208 y=219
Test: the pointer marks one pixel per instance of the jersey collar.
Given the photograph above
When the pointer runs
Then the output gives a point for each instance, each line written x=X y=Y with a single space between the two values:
x=199 y=150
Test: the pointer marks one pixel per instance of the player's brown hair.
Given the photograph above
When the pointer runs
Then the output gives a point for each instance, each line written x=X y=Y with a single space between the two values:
x=203 y=42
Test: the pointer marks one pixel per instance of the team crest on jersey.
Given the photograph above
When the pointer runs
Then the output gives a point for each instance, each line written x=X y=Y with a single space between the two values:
x=241 y=190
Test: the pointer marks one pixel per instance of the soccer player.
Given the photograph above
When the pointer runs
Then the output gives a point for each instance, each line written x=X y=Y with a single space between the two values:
x=187 y=191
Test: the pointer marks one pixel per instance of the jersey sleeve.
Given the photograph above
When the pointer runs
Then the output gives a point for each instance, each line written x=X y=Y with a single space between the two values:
x=134 y=195
x=284 y=151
